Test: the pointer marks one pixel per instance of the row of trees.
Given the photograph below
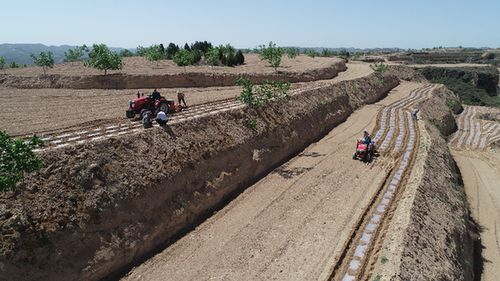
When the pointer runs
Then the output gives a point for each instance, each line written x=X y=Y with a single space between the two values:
x=99 y=57
x=193 y=54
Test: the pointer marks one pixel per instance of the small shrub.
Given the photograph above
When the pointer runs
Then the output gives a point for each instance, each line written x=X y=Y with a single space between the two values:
x=263 y=94
x=44 y=60
x=379 y=68
x=13 y=65
x=252 y=123
x=17 y=158
x=384 y=259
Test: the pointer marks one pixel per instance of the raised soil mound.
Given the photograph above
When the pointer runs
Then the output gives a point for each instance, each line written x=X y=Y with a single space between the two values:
x=96 y=208
x=191 y=78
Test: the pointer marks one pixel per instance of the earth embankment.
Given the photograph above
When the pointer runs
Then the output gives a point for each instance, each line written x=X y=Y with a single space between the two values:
x=98 y=207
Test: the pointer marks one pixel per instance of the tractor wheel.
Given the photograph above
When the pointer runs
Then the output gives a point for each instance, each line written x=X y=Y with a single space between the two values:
x=354 y=156
x=163 y=107
x=130 y=114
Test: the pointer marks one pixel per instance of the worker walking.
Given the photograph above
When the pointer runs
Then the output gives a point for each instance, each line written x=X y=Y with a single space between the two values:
x=180 y=98
x=161 y=118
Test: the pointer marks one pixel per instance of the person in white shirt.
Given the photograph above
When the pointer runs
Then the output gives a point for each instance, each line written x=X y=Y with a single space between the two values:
x=161 y=118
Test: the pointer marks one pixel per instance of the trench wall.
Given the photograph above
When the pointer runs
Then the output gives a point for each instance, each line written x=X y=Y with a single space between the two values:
x=95 y=209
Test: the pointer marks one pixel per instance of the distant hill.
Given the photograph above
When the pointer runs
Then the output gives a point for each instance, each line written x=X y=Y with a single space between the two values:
x=20 y=53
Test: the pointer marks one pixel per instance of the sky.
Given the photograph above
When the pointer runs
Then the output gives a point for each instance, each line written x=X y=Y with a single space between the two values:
x=247 y=24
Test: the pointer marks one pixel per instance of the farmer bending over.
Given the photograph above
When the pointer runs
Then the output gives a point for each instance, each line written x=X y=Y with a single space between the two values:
x=161 y=118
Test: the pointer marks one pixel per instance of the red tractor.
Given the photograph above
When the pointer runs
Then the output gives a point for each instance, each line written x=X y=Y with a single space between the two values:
x=152 y=104
x=364 y=152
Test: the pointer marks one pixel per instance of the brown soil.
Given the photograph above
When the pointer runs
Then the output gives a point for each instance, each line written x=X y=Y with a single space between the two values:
x=139 y=74
x=481 y=174
x=28 y=111
x=97 y=207
x=141 y=66
x=432 y=237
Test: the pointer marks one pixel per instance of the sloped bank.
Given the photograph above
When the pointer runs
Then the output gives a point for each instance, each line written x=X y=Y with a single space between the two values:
x=96 y=208
x=178 y=80
x=432 y=236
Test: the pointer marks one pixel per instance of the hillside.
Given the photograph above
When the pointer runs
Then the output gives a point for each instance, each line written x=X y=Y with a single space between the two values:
x=20 y=53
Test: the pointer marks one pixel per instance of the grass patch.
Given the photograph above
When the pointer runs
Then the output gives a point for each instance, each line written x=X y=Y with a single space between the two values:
x=468 y=93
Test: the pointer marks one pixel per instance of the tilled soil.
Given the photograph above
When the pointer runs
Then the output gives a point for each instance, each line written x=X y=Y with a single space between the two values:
x=28 y=111
x=292 y=224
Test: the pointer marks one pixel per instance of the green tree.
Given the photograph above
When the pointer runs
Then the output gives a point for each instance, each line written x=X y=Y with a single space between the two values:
x=344 y=54
x=2 y=62
x=311 y=53
x=271 y=54
x=75 y=54
x=186 y=47
x=183 y=58
x=140 y=51
x=14 y=65
x=292 y=52
x=240 y=58
x=44 y=60
x=100 y=57
x=154 y=53
x=17 y=158
x=213 y=56
x=126 y=53
x=171 y=50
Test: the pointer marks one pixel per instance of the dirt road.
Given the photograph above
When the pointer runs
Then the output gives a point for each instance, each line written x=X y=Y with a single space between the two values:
x=294 y=223
x=481 y=175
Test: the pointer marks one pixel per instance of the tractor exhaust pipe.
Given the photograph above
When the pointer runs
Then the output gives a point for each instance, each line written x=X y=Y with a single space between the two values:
x=138 y=95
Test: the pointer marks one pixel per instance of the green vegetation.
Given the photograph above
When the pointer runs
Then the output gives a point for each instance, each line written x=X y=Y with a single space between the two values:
x=2 y=62
x=75 y=54
x=384 y=259
x=271 y=54
x=379 y=68
x=14 y=65
x=184 y=58
x=100 y=57
x=292 y=52
x=252 y=123
x=17 y=158
x=469 y=93
x=257 y=96
x=44 y=60
x=224 y=55
x=126 y=53
x=312 y=53
x=171 y=50
x=155 y=53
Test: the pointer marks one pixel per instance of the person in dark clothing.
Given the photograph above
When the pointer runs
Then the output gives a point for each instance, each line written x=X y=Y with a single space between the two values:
x=155 y=95
x=180 y=98
x=366 y=138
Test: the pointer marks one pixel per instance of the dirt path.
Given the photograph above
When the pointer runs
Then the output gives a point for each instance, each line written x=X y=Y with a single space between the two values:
x=291 y=225
x=481 y=174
